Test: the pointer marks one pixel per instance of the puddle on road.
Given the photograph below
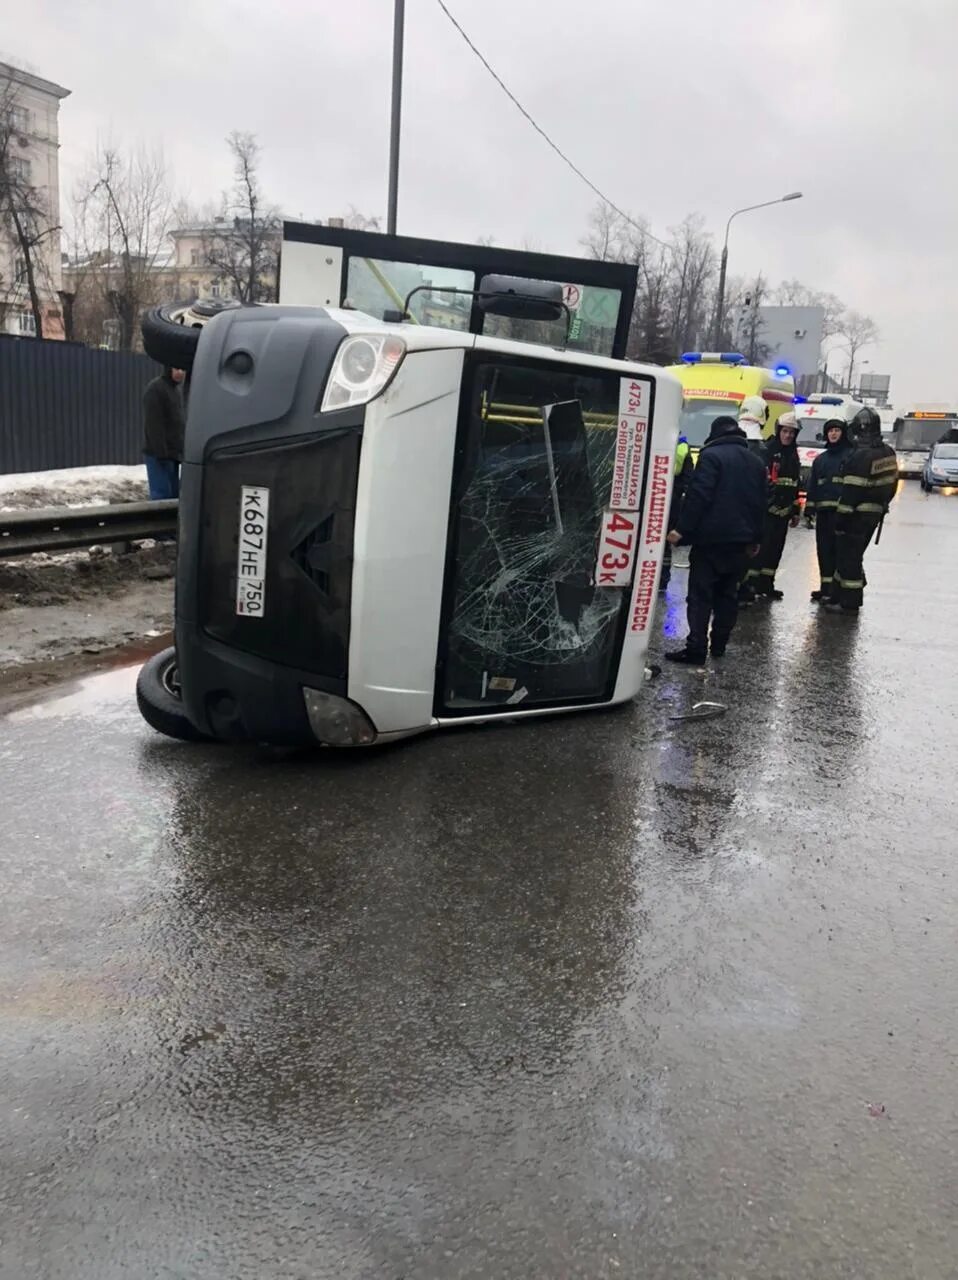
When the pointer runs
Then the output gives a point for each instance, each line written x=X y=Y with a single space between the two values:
x=55 y=689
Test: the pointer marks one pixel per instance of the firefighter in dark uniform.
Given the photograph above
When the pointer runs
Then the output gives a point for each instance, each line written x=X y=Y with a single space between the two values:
x=682 y=474
x=868 y=483
x=782 y=511
x=821 y=499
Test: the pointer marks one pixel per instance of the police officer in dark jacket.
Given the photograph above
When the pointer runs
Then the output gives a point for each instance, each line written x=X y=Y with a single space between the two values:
x=782 y=509
x=164 y=427
x=822 y=496
x=869 y=480
x=721 y=518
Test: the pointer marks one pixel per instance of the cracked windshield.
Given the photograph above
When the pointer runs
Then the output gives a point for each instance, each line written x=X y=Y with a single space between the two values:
x=528 y=624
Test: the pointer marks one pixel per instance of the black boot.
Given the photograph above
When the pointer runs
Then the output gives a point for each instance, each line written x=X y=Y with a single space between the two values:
x=775 y=594
x=688 y=657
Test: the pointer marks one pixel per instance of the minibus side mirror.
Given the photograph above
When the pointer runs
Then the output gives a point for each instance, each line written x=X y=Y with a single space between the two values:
x=520 y=299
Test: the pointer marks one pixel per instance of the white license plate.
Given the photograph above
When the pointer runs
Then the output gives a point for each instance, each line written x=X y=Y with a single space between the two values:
x=251 y=558
x=618 y=540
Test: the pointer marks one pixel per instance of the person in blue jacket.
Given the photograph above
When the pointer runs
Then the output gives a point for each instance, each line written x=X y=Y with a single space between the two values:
x=721 y=518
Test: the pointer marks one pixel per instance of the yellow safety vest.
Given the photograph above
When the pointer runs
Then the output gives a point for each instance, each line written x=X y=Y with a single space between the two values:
x=681 y=453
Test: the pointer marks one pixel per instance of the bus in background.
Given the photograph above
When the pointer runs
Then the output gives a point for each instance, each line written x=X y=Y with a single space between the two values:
x=714 y=383
x=917 y=431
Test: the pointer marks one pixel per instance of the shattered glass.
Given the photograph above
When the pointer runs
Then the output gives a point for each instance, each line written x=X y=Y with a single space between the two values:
x=527 y=623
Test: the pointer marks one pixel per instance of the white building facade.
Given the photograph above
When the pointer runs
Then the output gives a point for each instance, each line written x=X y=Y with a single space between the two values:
x=31 y=107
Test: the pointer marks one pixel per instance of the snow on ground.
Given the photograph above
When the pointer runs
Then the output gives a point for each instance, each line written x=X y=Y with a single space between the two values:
x=68 y=476
x=72 y=487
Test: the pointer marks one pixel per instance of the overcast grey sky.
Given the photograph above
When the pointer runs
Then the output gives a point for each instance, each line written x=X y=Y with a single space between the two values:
x=670 y=108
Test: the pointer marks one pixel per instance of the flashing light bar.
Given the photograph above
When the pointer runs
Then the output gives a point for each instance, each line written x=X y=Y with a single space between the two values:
x=929 y=415
x=712 y=357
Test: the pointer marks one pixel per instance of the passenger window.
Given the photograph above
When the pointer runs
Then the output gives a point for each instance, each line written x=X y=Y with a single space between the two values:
x=375 y=286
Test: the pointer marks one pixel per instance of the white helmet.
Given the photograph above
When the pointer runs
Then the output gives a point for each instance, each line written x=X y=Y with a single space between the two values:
x=754 y=407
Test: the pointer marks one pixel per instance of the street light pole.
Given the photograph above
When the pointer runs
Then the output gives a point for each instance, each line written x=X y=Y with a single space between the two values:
x=399 y=13
x=723 y=265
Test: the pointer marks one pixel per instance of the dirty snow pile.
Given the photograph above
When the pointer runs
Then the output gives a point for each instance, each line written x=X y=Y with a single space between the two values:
x=72 y=487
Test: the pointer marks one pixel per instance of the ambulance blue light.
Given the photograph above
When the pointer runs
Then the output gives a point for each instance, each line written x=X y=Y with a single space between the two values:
x=800 y=400
x=782 y=371
x=712 y=357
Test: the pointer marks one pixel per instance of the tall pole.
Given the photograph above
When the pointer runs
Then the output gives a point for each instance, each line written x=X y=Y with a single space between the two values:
x=720 y=303
x=394 y=125
x=723 y=266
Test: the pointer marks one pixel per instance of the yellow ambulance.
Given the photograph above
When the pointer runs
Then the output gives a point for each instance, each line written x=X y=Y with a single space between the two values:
x=714 y=383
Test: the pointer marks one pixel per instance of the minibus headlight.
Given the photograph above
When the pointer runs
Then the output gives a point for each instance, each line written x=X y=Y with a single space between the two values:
x=337 y=722
x=364 y=365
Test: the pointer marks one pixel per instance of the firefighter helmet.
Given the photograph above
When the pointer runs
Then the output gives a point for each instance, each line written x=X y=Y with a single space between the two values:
x=756 y=408
x=866 y=425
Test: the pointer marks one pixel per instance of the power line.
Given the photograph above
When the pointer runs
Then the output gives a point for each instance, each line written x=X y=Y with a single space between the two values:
x=538 y=128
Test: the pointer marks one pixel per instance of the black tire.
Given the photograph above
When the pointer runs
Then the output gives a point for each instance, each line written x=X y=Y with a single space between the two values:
x=171 y=332
x=169 y=343
x=157 y=696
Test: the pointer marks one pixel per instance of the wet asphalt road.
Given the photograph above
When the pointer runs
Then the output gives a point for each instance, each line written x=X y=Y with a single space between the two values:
x=603 y=996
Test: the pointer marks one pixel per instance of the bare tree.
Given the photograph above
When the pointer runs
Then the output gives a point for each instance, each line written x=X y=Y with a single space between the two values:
x=24 y=214
x=651 y=335
x=613 y=238
x=692 y=272
x=357 y=221
x=245 y=252
x=746 y=325
x=123 y=210
x=858 y=331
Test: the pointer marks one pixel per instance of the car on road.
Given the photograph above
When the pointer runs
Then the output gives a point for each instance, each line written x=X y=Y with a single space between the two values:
x=941 y=469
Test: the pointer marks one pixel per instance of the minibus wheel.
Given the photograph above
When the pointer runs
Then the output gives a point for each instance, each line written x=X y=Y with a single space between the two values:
x=159 y=701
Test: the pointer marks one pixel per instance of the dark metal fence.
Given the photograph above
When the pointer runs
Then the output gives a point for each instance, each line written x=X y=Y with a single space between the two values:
x=65 y=405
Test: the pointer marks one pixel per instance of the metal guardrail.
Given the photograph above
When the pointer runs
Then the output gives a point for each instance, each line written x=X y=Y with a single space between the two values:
x=22 y=533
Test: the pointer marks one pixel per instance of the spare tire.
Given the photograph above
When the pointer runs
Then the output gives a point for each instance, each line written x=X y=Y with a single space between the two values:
x=167 y=340
x=171 y=331
x=158 y=698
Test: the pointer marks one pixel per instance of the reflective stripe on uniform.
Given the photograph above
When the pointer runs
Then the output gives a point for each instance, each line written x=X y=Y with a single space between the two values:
x=780 y=511
x=850 y=584
x=769 y=573
x=864 y=483
x=821 y=506
x=786 y=482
